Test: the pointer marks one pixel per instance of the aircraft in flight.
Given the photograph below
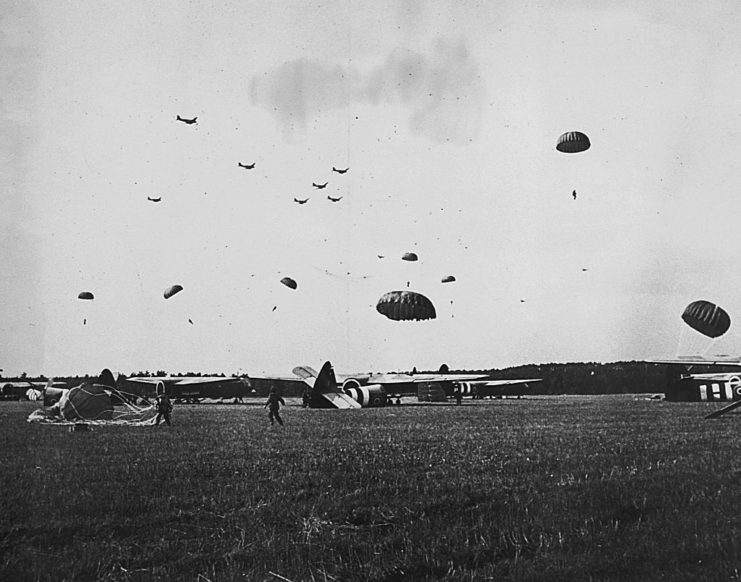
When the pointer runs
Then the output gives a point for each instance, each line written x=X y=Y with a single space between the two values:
x=357 y=391
x=191 y=389
x=187 y=121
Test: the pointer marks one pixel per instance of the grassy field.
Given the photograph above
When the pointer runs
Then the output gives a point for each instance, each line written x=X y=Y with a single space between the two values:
x=562 y=488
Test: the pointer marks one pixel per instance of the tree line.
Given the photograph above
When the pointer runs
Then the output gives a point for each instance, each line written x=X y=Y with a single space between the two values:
x=628 y=377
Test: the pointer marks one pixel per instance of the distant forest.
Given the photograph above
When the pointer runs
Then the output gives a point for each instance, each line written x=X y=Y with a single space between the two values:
x=571 y=378
x=591 y=378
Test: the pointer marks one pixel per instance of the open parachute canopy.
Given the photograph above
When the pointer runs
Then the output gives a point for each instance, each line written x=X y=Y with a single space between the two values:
x=405 y=306
x=409 y=257
x=573 y=142
x=288 y=282
x=86 y=295
x=170 y=291
x=707 y=318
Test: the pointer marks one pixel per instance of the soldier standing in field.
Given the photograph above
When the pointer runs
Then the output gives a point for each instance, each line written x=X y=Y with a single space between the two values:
x=164 y=407
x=273 y=405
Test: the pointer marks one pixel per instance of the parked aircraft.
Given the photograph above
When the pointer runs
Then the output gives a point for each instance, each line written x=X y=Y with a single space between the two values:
x=356 y=391
x=497 y=388
x=189 y=388
x=30 y=390
x=682 y=386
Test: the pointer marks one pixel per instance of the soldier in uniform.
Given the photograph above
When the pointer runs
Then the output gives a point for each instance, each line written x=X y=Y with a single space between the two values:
x=164 y=407
x=458 y=394
x=273 y=405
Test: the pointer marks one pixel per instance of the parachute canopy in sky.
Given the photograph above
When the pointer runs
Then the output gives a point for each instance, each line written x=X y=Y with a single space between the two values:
x=448 y=279
x=573 y=142
x=409 y=257
x=86 y=295
x=170 y=291
x=707 y=318
x=288 y=282
x=405 y=306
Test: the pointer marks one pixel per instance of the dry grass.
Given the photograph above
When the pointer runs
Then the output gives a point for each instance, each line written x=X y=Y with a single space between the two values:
x=569 y=488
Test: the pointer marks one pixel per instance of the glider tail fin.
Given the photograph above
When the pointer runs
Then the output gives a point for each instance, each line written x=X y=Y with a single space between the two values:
x=106 y=379
x=326 y=380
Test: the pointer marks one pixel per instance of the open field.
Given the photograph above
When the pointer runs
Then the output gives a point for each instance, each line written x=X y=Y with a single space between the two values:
x=559 y=488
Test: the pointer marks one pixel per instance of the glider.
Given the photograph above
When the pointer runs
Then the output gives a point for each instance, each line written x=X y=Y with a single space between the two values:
x=189 y=388
x=362 y=390
x=187 y=121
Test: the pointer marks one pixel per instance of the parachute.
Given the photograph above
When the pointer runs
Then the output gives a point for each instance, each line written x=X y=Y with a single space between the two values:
x=94 y=404
x=409 y=257
x=170 y=291
x=86 y=295
x=405 y=306
x=288 y=282
x=573 y=142
x=448 y=279
x=707 y=318
x=86 y=402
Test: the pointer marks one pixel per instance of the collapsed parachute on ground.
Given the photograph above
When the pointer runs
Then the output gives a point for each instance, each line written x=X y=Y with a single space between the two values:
x=170 y=291
x=405 y=306
x=94 y=404
x=86 y=295
x=86 y=402
x=288 y=282
x=707 y=318
x=409 y=257
x=448 y=279
x=573 y=142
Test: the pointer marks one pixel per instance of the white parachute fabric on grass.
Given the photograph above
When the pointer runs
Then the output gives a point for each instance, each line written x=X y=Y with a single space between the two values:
x=94 y=404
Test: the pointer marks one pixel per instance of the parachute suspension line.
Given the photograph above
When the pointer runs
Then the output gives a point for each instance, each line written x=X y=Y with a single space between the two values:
x=708 y=346
x=691 y=343
x=128 y=403
x=680 y=342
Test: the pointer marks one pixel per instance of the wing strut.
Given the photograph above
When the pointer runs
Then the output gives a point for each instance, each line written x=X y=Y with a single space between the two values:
x=722 y=411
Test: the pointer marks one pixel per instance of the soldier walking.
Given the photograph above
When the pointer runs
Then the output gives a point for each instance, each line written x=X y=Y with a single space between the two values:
x=164 y=407
x=273 y=406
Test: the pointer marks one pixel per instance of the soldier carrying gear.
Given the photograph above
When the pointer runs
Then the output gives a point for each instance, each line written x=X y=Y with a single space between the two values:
x=164 y=407
x=273 y=405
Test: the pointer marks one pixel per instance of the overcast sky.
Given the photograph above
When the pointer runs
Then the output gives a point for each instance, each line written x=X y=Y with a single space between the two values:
x=447 y=114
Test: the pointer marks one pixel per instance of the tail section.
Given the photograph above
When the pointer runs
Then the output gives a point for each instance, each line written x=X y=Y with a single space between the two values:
x=106 y=379
x=324 y=390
